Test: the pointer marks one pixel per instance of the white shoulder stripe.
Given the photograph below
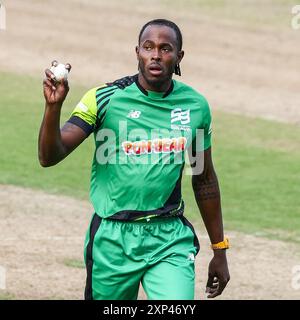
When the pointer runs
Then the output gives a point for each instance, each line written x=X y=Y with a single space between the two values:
x=82 y=106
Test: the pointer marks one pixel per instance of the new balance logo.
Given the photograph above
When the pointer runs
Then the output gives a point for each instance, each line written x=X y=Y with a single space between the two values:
x=134 y=114
x=179 y=115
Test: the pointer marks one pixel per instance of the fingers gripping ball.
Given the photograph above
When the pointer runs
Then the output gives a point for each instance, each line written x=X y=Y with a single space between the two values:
x=60 y=70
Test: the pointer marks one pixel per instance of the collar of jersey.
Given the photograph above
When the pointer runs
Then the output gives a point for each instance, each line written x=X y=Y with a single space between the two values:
x=155 y=94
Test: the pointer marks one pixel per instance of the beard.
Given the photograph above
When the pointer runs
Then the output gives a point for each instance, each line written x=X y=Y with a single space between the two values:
x=155 y=82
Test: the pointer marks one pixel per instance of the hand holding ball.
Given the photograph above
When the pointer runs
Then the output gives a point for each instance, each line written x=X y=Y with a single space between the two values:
x=55 y=83
x=60 y=71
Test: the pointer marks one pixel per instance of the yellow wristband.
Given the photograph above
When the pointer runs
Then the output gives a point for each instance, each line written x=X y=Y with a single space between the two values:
x=221 y=245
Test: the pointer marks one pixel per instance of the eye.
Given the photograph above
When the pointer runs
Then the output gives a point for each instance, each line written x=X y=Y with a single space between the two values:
x=166 y=49
x=147 y=47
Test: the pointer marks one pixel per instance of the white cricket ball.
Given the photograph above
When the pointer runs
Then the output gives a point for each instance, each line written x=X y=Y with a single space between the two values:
x=60 y=72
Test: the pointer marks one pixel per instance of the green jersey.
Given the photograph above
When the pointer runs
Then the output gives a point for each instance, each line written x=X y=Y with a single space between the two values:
x=140 y=139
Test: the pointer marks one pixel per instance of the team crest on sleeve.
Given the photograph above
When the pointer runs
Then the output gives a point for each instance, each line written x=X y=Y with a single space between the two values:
x=180 y=119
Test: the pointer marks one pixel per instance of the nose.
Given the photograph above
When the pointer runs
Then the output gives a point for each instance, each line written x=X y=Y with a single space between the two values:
x=156 y=55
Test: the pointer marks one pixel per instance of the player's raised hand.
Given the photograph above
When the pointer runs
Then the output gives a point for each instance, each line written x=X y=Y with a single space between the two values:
x=55 y=91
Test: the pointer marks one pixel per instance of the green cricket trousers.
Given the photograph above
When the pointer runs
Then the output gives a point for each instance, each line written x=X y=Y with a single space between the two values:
x=158 y=253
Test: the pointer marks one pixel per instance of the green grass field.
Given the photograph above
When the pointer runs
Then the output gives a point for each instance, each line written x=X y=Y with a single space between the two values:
x=257 y=162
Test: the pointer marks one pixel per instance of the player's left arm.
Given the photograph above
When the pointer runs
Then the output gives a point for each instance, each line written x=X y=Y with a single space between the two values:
x=207 y=195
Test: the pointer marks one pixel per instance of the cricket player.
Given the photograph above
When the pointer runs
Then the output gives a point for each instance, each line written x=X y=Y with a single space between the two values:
x=142 y=126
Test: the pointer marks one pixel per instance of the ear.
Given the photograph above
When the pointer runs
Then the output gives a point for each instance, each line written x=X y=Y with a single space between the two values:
x=180 y=55
x=137 y=51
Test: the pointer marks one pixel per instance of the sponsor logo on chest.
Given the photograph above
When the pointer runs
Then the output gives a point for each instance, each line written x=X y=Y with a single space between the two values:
x=165 y=145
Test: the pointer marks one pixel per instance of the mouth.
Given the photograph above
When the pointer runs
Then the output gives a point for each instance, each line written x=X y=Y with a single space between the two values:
x=155 y=70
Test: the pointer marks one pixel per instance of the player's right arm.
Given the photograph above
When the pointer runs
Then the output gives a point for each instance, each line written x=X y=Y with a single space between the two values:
x=55 y=143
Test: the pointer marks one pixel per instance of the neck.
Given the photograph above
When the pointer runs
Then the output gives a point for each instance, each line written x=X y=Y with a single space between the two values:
x=157 y=86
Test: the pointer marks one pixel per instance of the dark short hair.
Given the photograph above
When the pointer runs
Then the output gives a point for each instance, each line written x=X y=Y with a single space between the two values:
x=167 y=23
